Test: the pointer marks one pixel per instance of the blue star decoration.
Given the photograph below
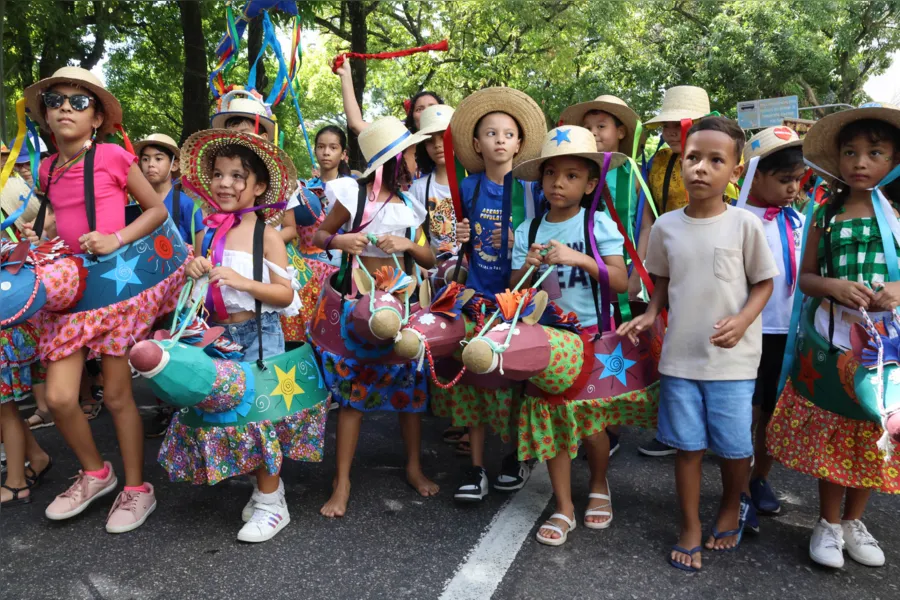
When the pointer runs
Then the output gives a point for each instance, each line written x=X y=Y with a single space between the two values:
x=562 y=135
x=615 y=365
x=755 y=145
x=123 y=273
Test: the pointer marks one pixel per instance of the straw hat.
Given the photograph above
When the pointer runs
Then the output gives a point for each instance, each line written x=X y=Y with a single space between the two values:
x=820 y=146
x=516 y=104
x=198 y=155
x=11 y=197
x=681 y=102
x=112 y=110
x=434 y=119
x=771 y=140
x=245 y=107
x=574 y=115
x=383 y=140
x=566 y=141
x=157 y=139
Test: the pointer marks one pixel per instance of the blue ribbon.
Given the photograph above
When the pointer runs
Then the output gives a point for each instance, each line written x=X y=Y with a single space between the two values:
x=8 y=221
x=785 y=214
x=387 y=149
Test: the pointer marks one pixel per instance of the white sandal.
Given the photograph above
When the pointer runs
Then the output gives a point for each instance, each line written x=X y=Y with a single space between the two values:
x=563 y=535
x=604 y=510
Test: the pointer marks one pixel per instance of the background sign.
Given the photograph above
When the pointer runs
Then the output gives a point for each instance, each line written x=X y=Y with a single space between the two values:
x=771 y=112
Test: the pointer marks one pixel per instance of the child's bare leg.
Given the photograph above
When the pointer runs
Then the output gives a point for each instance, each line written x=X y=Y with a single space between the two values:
x=688 y=473
x=349 y=420
x=36 y=455
x=763 y=465
x=735 y=474
x=597 y=447
x=477 y=435
x=855 y=505
x=267 y=483
x=411 y=428
x=63 y=383
x=560 y=469
x=830 y=497
x=119 y=400
x=14 y=443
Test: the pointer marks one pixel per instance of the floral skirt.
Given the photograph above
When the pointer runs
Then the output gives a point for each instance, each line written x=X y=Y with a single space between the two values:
x=470 y=406
x=20 y=367
x=373 y=386
x=295 y=327
x=210 y=454
x=823 y=444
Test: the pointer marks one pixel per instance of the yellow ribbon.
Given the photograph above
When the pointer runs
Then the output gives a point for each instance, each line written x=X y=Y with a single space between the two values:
x=17 y=146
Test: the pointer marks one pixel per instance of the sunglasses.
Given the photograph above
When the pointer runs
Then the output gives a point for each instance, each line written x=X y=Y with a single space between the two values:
x=78 y=102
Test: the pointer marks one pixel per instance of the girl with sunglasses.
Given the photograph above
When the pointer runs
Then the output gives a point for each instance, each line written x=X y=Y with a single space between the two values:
x=76 y=109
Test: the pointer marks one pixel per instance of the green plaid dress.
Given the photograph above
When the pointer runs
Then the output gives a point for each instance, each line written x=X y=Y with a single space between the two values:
x=856 y=250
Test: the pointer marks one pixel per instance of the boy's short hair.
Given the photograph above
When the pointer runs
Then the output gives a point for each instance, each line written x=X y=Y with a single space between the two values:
x=162 y=149
x=785 y=160
x=618 y=122
x=723 y=125
x=236 y=121
x=497 y=112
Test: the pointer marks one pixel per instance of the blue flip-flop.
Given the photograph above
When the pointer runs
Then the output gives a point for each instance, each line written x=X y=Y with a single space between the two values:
x=739 y=532
x=691 y=553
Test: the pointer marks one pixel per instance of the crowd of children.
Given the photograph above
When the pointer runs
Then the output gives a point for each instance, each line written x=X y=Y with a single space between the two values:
x=532 y=228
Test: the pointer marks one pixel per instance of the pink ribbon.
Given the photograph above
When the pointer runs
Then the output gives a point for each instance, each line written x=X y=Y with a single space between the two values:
x=788 y=220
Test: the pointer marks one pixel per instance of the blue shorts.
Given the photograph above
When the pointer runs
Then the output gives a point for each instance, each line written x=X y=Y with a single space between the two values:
x=246 y=335
x=699 y=415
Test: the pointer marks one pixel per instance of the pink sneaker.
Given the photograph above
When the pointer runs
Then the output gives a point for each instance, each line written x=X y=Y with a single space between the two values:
x=80 y=495
x=130 y=510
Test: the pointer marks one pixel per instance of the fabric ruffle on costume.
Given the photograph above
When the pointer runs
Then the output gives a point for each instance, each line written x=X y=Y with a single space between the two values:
x=818 y=442
x=19 y=361
x=208 y=455
x=470 y=406
x=295 y=327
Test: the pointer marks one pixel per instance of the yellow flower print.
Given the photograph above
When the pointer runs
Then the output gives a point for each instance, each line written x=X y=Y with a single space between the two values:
x=867 y=434
x=847 y=463
x=795 y=462
x=806 y=440
x=829 y=449
x=776 y=428
x=823 y=472
x=869 y=455
x=795 y=423
x=892 y=472
x=777 y=412
x=866 y=482
x=878 y=481
x=849 y=442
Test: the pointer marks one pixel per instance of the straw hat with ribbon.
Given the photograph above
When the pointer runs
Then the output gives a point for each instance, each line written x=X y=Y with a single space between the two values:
x=435 y=119
x=198 y=156
x=112 y=110
x=820 y=146
x=574 y=115
x=157 y=139
x=761 y=145
x=383 y=140
x=566 y=141
x=12 y=196
x=247 y=107
x=681 y=102
x=506 y=100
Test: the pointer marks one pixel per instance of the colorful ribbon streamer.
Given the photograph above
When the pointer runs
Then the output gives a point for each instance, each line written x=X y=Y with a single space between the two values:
x=442 y=46
x=788 y=220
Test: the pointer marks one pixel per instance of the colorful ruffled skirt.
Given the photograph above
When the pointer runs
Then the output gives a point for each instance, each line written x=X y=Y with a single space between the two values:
x=20 y=366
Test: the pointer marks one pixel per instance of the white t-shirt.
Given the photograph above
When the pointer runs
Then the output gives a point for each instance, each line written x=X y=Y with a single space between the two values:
x=776 y=316
x=442 y=217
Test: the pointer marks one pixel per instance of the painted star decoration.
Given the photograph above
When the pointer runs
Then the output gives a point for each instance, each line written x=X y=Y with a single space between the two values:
x=755 y=145
x=808 y=374
x=562 y=135
x=615 y=365
x=287 y=386
x=123 y=273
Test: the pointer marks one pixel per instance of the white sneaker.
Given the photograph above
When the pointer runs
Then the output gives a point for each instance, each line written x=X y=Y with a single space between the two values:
x=860 y=544
x=266 y=521
x=826 y=545
x=248 y=508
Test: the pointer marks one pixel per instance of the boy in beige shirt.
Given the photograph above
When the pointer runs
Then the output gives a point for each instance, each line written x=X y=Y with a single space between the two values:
x=714 y=270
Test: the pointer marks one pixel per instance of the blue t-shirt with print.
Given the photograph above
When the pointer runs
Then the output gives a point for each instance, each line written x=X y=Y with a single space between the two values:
x=186 y=216
x=575 y=284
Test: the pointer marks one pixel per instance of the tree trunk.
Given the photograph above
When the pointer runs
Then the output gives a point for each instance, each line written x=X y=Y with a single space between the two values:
x=195 y=98
x=2 y=70
x=254 y=45
x=359 y=33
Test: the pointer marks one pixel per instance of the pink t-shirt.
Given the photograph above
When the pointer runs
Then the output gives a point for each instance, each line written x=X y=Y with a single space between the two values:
x=111 y=165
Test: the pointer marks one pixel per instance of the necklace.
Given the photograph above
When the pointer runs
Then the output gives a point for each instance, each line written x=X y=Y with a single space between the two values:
x=61 y=170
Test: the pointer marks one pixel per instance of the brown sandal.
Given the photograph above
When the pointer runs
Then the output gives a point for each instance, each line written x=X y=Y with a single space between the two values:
x=44 y=419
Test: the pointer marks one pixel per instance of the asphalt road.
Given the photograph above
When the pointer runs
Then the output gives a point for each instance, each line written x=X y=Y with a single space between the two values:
x=394 y=544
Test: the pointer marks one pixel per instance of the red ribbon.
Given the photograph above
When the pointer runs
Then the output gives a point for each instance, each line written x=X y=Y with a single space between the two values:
x=128 y=145
x=450 y=163
x=441 y=46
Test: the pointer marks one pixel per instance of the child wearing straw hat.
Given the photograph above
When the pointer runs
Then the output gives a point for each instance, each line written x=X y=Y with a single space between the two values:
x=569 y=168
x=714 y=272
x=159 y=156
x=389 y=230
x=775 y=169
x=819 y=426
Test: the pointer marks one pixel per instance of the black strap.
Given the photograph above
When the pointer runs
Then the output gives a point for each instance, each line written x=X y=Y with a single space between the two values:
x=259 y=231
x=89 y=204
x=532 y=231
x=45 y=201
x=176 y=206
x=466 y=249
x=667 y=180
x=343 y=279
x=427 y=227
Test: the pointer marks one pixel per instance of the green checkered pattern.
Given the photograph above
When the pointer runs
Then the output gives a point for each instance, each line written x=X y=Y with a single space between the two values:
x=856 y=250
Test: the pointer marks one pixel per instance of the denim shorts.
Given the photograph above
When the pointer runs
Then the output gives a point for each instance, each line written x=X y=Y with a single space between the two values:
x=699 y=415
x=246 y=335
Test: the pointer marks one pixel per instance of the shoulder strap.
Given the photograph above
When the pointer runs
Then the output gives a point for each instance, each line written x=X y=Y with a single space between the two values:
x=427 y=226
x=176 y=205
x=89 y=200
x=45 y=200
x=343 y=278
x=830 y=213
x=666 y=181
x=207 y=241
x=259 y=231
x=532 y=231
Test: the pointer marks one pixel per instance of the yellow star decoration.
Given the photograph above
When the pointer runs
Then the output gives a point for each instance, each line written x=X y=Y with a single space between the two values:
x=287 y=386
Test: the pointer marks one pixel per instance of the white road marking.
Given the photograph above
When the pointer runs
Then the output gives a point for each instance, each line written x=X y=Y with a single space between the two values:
x=487 y=563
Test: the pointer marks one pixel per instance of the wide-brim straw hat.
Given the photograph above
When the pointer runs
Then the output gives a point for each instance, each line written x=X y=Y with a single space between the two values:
x=820 y=146
x=506 y=100
x=198 y=157
x=770 y=140
x=434 y=119
x=11 y=197
x=568 y=140
x=574 y=115
x=383 y=140
x=112 y=110
x=681 y=102
x=157 y=139
x=248 y=108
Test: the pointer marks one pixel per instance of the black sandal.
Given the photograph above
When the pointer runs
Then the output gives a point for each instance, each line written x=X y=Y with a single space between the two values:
x=15 y=500
x=35 y=479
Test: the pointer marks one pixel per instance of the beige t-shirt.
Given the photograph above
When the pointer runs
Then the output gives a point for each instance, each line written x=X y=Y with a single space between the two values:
x=711 y=264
